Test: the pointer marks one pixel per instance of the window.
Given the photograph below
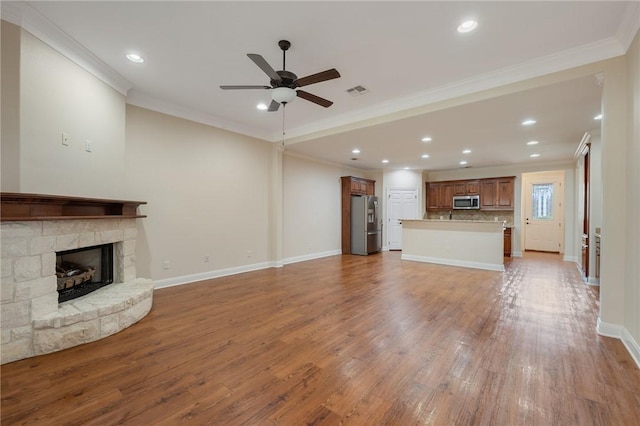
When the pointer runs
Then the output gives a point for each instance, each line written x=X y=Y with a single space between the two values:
x=542 y=201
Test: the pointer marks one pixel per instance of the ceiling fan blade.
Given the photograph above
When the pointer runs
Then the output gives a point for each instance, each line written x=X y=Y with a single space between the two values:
x=244 y=87
x=315 y=99
x=273 y=106
x=317 y=78
x=264 y=66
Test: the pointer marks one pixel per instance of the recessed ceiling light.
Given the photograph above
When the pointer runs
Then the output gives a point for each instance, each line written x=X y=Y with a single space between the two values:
x=134 y=57
x=528 y=122
x=534 y=155
x=425 y=156
x=467 y=26
x=532 y=143
x=426 y=139
x=598 y=117
x=406 y=168
x=385 y=161
x=462 y=163
x=262 y=107
x=466 y=151
x=356 y=151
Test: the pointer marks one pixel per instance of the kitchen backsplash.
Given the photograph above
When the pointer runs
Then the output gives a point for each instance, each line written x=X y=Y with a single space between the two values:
x=472 y=215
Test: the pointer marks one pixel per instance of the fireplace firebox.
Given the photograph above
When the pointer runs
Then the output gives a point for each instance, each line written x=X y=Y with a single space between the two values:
x=84 y=270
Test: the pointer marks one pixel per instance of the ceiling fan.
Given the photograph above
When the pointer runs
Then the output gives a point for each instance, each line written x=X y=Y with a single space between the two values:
x=284 y=84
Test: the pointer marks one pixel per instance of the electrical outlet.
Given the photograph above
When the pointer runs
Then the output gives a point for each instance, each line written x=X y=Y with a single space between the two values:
x=165 y=265
x=88 y=146
x=249 y=253
x=65 y=139
x=206 y=258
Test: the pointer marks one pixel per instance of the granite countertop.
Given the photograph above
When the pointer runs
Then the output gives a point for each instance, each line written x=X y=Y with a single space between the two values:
x=505 y=224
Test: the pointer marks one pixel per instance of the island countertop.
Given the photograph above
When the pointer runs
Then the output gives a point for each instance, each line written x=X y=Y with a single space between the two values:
x=468 y=243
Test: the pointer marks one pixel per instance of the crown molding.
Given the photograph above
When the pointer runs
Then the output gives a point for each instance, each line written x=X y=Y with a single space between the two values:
x=149 y=102
x=629 y=25
x=22 y=14
x=412 y=105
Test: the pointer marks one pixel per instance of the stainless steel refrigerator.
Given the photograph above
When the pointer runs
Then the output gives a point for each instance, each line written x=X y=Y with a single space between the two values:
x=366 y=225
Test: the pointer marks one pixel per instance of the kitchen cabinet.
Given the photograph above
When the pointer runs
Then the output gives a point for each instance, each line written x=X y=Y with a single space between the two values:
x=352 y=186
x=495 y=193
x=466 y=187
x=439 y=196
x=507 y=242
x=359 y=186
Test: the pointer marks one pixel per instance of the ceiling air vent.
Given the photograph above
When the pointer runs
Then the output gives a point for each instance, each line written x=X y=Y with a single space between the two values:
x=357 y=91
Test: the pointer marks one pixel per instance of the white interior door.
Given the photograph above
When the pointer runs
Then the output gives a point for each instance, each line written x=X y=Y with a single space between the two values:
x=543 y=216
x=401 y=204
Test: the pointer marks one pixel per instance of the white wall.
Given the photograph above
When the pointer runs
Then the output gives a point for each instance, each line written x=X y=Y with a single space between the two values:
x=57 y=96
x=207 y=191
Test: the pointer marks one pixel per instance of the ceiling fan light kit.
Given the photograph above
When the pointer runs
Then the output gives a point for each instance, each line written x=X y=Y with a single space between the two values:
x=284 y=83
x=283 y=95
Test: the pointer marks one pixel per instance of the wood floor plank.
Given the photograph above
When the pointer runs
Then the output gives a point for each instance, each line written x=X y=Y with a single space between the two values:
x=351 y=340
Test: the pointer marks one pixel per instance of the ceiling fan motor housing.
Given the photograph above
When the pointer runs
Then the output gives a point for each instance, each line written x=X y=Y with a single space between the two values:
x=288 y=79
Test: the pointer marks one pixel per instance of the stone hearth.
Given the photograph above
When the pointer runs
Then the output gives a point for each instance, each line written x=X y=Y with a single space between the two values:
x=32 y=320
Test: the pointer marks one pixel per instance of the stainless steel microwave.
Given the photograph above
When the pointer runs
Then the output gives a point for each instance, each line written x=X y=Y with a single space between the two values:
x=466 y=202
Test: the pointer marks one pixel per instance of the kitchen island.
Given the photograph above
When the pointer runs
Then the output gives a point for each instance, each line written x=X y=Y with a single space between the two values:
x=472 y=244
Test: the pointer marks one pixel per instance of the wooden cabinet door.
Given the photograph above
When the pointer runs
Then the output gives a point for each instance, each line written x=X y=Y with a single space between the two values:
x=433 y=196
x=505 y=193
x=371 y=187
x=473 y=187
x=358 y=186
x=507 y=242
x=460 y=188
x=488 y=193
x=446 y=196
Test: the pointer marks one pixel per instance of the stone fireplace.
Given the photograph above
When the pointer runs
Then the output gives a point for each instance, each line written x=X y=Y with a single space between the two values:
x=33 y=322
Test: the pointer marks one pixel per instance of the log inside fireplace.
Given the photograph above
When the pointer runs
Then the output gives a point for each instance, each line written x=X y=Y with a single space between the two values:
x=84 y=270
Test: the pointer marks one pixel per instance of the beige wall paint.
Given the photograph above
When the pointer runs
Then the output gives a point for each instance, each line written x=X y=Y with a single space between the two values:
x=312 y=206
x=10 y=107
x=614 y=178
x=632 y=251
x=57 y=96
x=207 y=191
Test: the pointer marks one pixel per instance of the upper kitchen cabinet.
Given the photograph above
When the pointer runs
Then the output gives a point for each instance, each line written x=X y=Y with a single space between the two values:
x=466 y=187
x=358 y=186
x=497 y=193
x=440 y=195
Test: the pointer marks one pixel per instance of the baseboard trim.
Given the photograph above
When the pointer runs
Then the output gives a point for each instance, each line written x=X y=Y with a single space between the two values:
x=453 y=262
x=516 y=254
x=593 y=281
x=631 y=345
x=311 y=256
x=570 y=259
x=188 y=279
x=620 y=332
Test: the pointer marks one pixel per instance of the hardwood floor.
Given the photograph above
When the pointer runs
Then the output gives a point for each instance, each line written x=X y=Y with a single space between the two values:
x=346 y=340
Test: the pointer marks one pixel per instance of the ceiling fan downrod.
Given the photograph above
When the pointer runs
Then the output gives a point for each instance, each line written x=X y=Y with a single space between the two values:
x=284 y=45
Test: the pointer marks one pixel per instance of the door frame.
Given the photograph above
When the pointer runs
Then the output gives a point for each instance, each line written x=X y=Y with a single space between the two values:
x=533 y=177
x=388 y=191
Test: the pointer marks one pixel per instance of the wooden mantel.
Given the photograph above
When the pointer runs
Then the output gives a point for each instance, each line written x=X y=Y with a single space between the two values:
x=24 y=207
